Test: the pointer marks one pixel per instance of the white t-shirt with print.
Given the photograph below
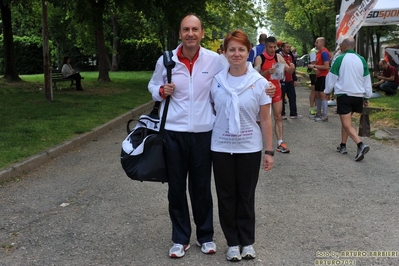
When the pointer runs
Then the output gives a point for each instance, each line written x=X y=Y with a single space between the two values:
x=250 y=137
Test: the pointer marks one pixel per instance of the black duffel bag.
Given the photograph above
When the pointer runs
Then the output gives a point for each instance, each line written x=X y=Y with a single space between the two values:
x=142 y=155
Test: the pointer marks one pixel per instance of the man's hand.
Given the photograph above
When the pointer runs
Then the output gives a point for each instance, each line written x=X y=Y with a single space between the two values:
x=271 y=90
x=271 y=70
x=366 y=103
x=168 y=89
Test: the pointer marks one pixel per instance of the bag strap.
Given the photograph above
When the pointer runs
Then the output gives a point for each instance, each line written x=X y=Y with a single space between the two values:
x=169 y=65
x=155 y=110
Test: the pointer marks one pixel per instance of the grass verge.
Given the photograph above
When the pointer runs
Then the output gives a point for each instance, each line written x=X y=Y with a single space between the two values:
x=30 y=124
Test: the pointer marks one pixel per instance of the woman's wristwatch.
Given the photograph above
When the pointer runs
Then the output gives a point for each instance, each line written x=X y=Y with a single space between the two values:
x=269 y=152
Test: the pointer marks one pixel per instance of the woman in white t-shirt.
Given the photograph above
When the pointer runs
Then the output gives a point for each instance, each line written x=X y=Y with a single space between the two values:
x=239 y=98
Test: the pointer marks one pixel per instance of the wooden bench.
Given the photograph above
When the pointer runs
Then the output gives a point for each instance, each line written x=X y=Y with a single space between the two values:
x=56 y=76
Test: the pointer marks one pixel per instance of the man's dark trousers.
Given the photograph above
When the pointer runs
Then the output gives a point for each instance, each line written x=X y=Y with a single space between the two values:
x=288 y=89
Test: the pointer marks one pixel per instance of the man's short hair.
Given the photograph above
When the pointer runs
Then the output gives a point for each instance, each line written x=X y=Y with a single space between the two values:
x=194 y=15
x=322 y=39
x=382 y=63
x=271 y=39
x=262 y=37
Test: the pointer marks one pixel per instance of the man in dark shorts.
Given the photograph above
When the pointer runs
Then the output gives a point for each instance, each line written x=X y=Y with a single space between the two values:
x=321 y=67
x=350 y=77
x=312 y=77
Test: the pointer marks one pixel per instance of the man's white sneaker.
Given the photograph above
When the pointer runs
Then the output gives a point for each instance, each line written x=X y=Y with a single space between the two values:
x=233 y=253
x=248 y=252
x=207 y=247
x=178 y=250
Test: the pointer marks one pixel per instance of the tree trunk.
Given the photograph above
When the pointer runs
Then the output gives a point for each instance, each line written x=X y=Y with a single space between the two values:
x=172 y=39
x=367 y=52
x=378 y=46
x=360 y=42
x=46 y=54
x=373 y=55
x=10 y=67
x=115 y=44
x=102 y=57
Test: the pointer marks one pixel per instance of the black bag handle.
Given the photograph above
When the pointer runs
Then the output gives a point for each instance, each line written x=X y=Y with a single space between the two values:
x=169 y=65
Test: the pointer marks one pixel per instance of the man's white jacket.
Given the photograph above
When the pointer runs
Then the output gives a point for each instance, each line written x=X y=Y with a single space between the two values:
x=190 y=108
x=349 y=75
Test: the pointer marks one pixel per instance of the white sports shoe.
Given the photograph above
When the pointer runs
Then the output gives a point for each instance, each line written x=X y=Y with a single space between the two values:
x=207 y=247
x=248 y=252
x=233 y=253
x=178 y=250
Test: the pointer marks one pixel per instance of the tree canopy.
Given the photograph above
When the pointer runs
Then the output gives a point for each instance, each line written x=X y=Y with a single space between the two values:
x=110 y=35
x=99 y=29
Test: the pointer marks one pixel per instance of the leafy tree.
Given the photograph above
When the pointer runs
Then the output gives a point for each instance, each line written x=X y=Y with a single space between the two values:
x=305 y=20
x=10 y=68
x=223 y=17
x=166 y=15
x=90 y=15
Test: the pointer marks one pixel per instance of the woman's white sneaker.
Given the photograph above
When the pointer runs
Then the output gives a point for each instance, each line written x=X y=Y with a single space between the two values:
x=233 y=253
x=248 y=252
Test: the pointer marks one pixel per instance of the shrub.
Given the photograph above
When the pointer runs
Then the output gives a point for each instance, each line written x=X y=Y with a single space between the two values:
x=139 y=54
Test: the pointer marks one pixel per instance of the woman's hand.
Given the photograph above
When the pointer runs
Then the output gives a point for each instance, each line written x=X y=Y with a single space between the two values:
x=268 y=162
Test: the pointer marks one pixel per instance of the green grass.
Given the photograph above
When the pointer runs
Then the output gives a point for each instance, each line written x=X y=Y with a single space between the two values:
x=389 y=117
x=30 y=124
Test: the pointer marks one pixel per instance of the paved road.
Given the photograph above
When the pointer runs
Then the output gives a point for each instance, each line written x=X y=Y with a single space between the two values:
x=314 y=204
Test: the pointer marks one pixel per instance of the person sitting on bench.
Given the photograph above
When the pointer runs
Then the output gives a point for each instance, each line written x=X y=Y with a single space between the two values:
x=68 y=72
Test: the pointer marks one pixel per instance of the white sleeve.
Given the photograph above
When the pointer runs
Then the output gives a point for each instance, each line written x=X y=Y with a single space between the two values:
x=158 y=79
x=312 y=57
x=331 y=79
x=367 y=85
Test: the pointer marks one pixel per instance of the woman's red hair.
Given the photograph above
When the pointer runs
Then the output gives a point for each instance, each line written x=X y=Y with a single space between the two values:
x=238 y=36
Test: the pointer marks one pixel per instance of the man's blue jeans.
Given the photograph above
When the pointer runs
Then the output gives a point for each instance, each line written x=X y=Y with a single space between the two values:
x=389 y=87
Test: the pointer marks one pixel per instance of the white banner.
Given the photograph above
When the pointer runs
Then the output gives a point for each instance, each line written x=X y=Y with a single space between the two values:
x=394 y=53
x=352 y=16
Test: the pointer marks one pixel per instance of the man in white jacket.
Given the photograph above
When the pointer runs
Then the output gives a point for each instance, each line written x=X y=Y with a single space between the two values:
x=350 y=77
x=188 y=132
